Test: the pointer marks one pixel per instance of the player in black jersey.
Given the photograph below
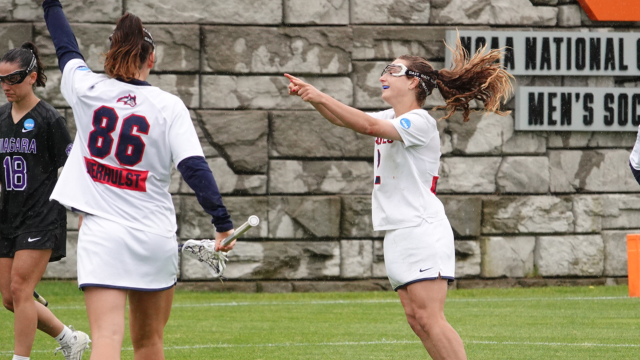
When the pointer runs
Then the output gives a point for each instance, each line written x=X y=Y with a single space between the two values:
x=34 y=144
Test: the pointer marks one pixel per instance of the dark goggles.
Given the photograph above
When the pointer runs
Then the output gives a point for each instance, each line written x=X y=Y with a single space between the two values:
x=17 y=77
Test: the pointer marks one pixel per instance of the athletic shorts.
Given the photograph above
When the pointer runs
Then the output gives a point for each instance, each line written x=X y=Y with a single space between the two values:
x=55 y=239
x=418 y=253
x=112 y=255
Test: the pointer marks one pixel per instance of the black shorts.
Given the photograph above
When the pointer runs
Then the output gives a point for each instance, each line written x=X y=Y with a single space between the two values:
x=55 y=239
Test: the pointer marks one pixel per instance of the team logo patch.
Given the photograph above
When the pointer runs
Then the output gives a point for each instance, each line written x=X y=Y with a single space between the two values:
x=405 y=123
x=128 y=100
x=83 y=68
x=29 y=124
x=68 y=149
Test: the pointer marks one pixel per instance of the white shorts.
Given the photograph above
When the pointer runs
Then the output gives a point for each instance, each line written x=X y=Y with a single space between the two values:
x=418 y=253
x=116 y=256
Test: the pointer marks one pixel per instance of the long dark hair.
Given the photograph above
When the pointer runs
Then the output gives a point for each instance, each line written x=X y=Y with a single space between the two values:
x=23 y=56
x=480 y=77
x=129 y=49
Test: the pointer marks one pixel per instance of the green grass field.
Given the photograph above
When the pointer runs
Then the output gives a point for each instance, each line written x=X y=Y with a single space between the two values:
x=540 y=323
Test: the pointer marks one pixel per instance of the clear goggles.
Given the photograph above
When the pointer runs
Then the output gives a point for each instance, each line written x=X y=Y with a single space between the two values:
x=17 y=77
x=398 y=70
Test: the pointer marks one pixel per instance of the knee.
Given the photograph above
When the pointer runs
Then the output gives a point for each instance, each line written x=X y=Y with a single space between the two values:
x=7 y=302
x=19 y=290
x=413 y=323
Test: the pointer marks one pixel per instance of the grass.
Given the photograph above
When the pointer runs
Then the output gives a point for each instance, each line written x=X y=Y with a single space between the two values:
x=539 y=323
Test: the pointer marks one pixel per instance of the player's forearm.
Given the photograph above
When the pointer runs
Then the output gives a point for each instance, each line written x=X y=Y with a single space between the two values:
x=63 y=39
x=327 y=114
x=352 y=118
x=198 y=176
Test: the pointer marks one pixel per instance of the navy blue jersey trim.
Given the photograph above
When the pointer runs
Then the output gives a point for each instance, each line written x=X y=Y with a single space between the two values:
x=61 y=33
x=635 y=172
x=448 y=278
x=135 y=82
x=82 y=286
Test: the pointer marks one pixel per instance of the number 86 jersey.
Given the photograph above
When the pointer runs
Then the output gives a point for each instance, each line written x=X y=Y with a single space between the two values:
x=128 y=134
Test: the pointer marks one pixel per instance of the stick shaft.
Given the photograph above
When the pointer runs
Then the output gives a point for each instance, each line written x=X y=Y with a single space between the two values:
x=40 y=299
x=253 y=221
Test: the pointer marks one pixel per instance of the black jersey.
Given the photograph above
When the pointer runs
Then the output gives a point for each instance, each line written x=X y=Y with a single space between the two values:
x=31 y=152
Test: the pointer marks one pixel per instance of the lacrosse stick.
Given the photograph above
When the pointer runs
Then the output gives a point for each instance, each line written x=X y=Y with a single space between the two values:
x=205 y=250
x=40 y=299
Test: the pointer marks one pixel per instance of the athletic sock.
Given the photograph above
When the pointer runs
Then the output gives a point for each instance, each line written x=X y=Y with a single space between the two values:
x=18 y=357
x=64 y=336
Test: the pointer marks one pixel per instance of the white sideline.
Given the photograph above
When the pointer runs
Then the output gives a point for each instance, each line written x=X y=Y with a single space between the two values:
x=357 y=343
x=332 y=302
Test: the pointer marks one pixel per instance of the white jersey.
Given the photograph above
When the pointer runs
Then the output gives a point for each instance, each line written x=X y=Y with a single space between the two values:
x=634 y=158
x=406 y=172
x=127 y=137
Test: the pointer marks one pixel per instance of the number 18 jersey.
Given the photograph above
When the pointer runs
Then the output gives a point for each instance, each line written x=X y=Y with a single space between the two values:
x=128 y=134
x=406 y=172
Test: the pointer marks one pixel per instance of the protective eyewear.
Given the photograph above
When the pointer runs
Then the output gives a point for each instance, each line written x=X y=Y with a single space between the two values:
x=17 y=77
x=398 y=70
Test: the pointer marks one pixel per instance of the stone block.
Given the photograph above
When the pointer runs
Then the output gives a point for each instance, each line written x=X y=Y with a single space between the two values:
x=5 y=10
x=523 y=174
x=525 y=143
x=567 y=139
x=569 y=16
x=468 y=258
x=464 y=214
x=484 y=133
x=527 y=215
x=368 y=89
x=67 y=268
x=341 y=286
x=75 y=11
x=621 y=211
x=319 y=12
x=269 y=12
x=186 y=87
x=588 y=211
x=356 y=218
x=266 y=92
x=308 y=134
x=356 y=258
x=615 y=252
x=389 y=12
x=468 y=175
x=389 y=42
x=73 y=220
x=51 y=93
x=378 y=269
x=315 y=50
x=240 y=137
x=207 y=147
x=304 y=217
x=228 y=182
x=507 y=256
x=93 y=41
x=608 y=139
x=274 y=260
x=13 y=35
x=320 y=177
x=177 y=47
x=194 y=223
x=573 y=255
x=492 y=12
x=591 y=171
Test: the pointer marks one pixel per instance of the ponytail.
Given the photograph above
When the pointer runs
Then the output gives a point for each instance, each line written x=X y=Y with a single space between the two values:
x=24 y=56
x=131 y=46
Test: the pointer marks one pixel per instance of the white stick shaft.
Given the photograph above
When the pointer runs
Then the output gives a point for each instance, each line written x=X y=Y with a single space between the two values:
x=253 y=221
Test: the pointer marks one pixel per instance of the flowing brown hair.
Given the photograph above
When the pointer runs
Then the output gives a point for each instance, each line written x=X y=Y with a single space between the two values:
x=129 y=51
x=480 y=77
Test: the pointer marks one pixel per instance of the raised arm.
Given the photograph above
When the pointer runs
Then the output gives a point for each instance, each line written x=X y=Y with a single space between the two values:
x=63 y=39
x=344 y=115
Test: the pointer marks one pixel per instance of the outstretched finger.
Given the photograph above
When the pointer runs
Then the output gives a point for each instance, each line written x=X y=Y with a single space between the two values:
x=294 y=79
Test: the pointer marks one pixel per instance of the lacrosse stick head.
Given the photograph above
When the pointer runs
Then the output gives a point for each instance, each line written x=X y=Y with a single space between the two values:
x=205 y=252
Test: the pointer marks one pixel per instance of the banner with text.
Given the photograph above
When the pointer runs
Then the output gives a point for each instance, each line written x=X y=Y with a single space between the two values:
x=577 y=109
x=557 y=53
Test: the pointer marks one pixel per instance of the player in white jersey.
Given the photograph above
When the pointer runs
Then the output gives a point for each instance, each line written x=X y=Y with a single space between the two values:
x=634 y=159
x=418 y=245
x=118 y=176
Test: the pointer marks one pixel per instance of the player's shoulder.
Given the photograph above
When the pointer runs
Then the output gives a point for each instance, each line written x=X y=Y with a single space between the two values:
x=166 y=102
x=46 y=113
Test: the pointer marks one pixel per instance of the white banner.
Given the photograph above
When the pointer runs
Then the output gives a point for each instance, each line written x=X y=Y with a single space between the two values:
x=557 y=53
x=577 y=109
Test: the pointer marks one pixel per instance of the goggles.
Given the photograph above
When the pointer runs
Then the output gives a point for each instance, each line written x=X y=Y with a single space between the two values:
x=17 y=77
x=398 y=70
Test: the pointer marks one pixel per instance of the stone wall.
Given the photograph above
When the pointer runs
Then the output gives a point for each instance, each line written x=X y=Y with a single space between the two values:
x=522 y=204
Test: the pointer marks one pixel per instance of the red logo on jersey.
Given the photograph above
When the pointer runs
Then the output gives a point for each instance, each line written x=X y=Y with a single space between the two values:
x=117 y=177
x=128 y=100
x=380 y=141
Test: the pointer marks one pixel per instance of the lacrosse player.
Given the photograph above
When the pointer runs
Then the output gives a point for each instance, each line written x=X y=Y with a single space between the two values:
x=118 y=176
x=418 y=246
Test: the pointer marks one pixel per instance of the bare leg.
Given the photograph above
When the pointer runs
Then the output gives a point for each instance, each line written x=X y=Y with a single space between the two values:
x=427 y=301
x=105 y=309
x=26 y=271
x=47 y=322
x=148 y=315
x=415 y=326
